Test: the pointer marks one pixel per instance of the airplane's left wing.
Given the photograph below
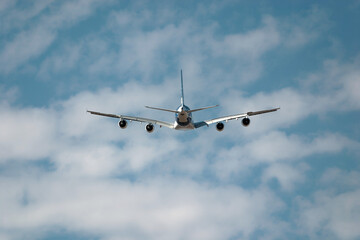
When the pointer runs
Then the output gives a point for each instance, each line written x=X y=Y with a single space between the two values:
x=232 y=117
x=136 y=119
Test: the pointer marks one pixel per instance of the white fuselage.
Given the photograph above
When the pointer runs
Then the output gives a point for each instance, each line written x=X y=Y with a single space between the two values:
x=183 y=119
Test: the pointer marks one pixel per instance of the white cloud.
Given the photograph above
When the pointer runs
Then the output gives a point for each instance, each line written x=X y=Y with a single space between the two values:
x=185 y=44
x=254 y=43
x=277 y=146
x=65 y=123
x=90 y=152
x=30 y=43
x=337 y=215
x=277 y=151
x=336 y=84
x=287 y=175
x=334 y=211
x=8 y=95
x=6 y=4
x=324 y=93
x=26 y=45
x=155 y=208
x=295 y=106
x=35 y=133
x=62 y=61
x=17 y=16
x=120 y=184
x=304 y=28
x=26 y=134
x=340 y=179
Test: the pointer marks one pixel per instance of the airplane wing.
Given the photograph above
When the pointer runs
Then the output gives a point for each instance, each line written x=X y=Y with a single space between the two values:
x=137 y=119
x=232 y=117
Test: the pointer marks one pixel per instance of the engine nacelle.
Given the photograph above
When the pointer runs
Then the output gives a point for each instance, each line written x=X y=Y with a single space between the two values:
x=220 y=126
x=245 y=122
x=149 y=128
x=123 y=124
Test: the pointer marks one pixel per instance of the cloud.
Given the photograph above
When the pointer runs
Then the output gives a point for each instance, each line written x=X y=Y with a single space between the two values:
x=8 y=95
x=26 y=134
x=341 y=180
x=66 y=169
x=158 y=208
x=18 y=15
x=135 y=45
x=67 y=120
x=95 y=167
x=25 y=46
x=301 y=29
x=276 y=146
x=277 y=150
x=60 y=62
x=95 y=162
x=321 y=94
x=254 y=43
x=329 y=214
x=287 y=175
x=337 y=83
x=32 y=42
x=6 y=4
x=33 y=133
x=333 y=211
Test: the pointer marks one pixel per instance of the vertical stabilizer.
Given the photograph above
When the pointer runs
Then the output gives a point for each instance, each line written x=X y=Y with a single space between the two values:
x=182 y=89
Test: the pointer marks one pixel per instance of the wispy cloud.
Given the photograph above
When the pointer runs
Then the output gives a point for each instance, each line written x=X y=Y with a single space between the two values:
x=329 y=213
x=62 y=168
x=33 y=41
x=153 y=208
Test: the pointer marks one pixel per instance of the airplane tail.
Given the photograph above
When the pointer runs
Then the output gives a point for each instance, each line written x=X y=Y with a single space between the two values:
x=182 y=89
x=182 y=102
x=182 y=97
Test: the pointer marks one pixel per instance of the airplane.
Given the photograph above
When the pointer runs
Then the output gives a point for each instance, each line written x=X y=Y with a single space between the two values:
x=183 y=117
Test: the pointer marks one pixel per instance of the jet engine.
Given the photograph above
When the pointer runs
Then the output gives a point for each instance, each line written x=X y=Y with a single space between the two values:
x=220 y=126
x=123 y=124
x=245 y=122
x=149 y=128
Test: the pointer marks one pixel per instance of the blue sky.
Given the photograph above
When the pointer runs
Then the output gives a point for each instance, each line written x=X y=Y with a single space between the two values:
x=293 y=174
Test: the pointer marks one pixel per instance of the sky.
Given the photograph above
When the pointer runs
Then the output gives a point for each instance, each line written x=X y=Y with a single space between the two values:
x=292 y=174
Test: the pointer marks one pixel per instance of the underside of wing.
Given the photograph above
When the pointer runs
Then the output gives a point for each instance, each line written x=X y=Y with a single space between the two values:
x=226 y=118
x=232 y=117
x=262 y=111
x=136 y=119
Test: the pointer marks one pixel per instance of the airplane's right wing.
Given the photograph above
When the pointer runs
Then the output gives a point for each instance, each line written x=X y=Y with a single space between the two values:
x=232 y=117
x=136 y=119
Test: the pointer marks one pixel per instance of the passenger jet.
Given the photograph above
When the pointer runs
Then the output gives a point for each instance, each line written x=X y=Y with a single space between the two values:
x=183 y=117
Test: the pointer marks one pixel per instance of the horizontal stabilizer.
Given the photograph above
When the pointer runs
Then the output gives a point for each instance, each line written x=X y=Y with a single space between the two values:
x=198 y=109
x=163 y=109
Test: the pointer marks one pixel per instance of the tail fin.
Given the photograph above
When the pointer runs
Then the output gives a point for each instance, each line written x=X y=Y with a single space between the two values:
x=182 y=89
